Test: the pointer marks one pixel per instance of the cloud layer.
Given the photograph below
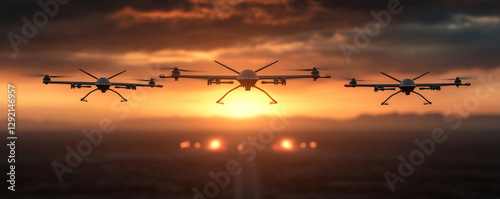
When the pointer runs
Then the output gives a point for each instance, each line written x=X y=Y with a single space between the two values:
x=437 y=35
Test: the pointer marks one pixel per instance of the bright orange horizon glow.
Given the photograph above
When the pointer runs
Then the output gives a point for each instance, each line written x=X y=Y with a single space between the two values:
x=286 y=145
x=215 y=145
x=187 y=98
x=192 y=37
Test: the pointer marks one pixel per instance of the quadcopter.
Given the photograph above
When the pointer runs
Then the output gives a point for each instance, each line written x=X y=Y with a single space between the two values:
x=103 y=84
x=246 y=78
x=407 y=86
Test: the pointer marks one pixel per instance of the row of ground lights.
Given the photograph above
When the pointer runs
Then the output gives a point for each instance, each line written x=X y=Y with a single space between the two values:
x=285 y=144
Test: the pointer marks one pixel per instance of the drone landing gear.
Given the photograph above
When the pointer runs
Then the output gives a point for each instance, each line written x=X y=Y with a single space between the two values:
x=83 y=99
x=272 y=102
x=220 y=100
x=384 y=103
x=427 y=101
x=123 y=99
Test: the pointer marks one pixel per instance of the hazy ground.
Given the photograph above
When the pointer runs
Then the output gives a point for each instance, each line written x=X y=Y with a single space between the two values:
x=345 y=165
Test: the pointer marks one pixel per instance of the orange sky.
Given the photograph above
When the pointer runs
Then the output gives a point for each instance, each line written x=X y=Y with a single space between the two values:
x=191 y=34
x=325 y=98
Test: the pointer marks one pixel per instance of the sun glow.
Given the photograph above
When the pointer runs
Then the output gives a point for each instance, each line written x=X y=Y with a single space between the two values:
x=215 y=145
x=287 y=144
x=241 y=109
x=246 y=104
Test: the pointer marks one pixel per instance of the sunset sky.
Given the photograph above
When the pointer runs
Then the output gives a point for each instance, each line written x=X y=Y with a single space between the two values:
x=448 y=38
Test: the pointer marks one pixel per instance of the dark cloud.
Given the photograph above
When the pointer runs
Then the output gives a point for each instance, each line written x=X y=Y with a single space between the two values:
x=432 y=16
x=151 y=26
x=416 y=49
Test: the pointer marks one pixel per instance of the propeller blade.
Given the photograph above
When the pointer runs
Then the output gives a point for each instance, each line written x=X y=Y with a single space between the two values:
x=145 y=80
x=306 y=69
x=183 y=70
x=51 y=76
x=36 y=75
x=358 y=80
x=467 y=77
x=464 y=78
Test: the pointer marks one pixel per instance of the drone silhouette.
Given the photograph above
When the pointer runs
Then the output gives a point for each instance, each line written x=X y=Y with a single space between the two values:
x=407 y=86
x=103 y=84
x=247 y=78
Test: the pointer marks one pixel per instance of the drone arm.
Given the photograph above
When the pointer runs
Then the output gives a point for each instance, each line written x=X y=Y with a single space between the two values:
x=135 y=85
x=117 y=74
x=442 y=84
x=390 y=77
x=227 y=67
x=266 y=66
x=87 y=73
x=65 y=82
x=291 y=77
x=420 y=76
x=373 y=85
x=225 y=77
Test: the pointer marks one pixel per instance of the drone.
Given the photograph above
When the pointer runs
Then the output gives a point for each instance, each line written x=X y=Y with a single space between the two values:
x=103 y=84
x=246 y=78
x=407 y=86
